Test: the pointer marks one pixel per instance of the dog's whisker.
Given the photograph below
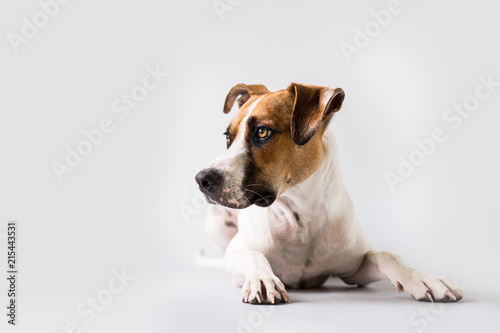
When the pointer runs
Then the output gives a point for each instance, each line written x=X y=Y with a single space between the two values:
x=245 y=189
x=295 y=185
x=263 y=185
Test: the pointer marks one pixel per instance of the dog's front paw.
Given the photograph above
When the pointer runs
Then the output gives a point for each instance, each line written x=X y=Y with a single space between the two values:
x=427 y=288
x=264 y=290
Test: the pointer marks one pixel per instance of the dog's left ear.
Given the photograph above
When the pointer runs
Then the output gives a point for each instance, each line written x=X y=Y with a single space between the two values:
x=313 y=105
x=245 y=92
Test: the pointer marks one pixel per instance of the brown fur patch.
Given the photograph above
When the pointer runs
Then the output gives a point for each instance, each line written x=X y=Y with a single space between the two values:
x=281 y=162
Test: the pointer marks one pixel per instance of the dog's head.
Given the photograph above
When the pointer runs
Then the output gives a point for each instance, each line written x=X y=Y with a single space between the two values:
x=273 y=143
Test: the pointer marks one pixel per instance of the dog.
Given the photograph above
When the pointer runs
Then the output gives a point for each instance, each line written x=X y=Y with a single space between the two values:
x=280 y=209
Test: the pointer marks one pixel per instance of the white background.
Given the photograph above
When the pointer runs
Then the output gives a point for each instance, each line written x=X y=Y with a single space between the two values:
x=133 y=204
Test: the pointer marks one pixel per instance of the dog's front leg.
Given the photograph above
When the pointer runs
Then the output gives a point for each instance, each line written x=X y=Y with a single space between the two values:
x=421 y=286
x=251 y=270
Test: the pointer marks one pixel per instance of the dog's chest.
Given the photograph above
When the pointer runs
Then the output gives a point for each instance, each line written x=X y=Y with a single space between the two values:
x=289 y=225
x=305 y=245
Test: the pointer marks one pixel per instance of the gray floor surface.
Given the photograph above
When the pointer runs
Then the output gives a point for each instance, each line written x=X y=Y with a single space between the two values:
x=205 y=300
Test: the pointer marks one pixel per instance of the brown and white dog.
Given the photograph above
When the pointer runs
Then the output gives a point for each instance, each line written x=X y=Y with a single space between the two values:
x=282 y=213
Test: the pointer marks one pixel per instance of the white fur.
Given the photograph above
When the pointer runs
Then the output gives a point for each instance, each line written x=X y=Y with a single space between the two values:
x=233 y=160
x=325 y=240
x=330 y=236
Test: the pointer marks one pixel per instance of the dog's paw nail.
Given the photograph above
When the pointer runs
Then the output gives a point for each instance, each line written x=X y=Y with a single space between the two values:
x=399 y=287
x=258 y=296
x=451 y=295
x=246 y=294
x=428 y=295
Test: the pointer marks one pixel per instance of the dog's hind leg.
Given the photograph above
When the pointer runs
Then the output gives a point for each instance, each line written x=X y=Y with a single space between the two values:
x=222 y=225
x=422 y=287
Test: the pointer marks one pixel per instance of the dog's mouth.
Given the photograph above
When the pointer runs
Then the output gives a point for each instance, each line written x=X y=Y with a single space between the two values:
x=264 y=200
x=261 y=200
x=218 y=190
x=222 y=200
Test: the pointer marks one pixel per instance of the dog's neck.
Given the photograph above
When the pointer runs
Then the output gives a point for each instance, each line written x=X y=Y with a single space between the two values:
x=318 y=197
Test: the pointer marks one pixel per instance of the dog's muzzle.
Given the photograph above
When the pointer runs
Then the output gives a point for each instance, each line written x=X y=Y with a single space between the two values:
x=212 y=184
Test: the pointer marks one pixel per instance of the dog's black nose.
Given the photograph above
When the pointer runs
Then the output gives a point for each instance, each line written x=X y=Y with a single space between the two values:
x=209 y=180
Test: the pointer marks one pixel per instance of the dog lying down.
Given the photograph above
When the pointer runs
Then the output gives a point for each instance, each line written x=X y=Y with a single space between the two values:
x=281 y=211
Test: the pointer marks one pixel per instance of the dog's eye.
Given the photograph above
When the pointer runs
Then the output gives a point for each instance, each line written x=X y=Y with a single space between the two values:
x=263 y=133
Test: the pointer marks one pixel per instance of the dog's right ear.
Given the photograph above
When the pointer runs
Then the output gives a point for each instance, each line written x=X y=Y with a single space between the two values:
x=245 y=92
